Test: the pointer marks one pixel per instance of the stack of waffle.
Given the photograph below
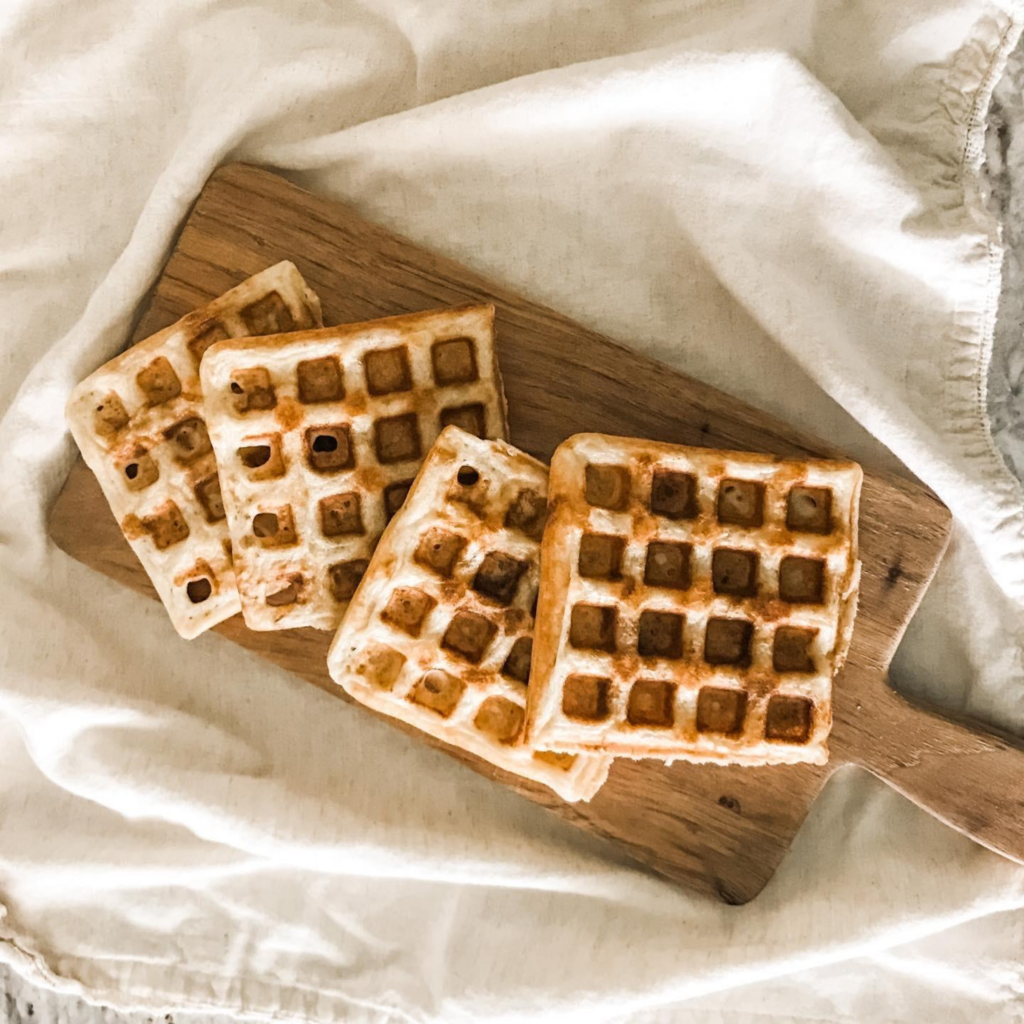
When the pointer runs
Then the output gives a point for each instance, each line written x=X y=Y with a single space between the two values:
x=677 y=603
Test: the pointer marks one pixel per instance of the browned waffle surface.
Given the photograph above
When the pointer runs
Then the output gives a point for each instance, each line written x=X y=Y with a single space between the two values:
x=694 y=603
x=439 y=633
x=140 y=423
x=319 y=435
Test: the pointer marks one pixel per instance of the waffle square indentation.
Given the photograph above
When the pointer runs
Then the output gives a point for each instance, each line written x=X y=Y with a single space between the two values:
x=469 y=635
x=329 y=448
x=501 y=718
x=253 y=389
x=454 y=361
x=394 y=497
x=407 y=609
x=809 y=509
x=284 y=590
x=198 y=344
x=592 y=627
x=199 y=590
x=660 y=635
x=601 y=556
x=207 y=492
x=792 y=649
x=668 y=565
x=166 y=525
x=788 y=719
x=721 y=710
x=397 y=438
x=802 y=580
x=344 y=577
x=727 y=642
x=269 y=315
x=158 y=381
x=439 y=691
x=498 y=576
x=517 y=664
x=439 y=550
x=741 y=503
x=387 y=370
x=471 y=418
x=262 y=457
x=586 y=698
x=320 y=380
x=607 y=486
x=110 y=415
x=380 y=665
x=734 y=572
x=274 y=528
x=528 y=513
x=651 y=703
x=674 y=494
x=138 y=470
x=341 y=514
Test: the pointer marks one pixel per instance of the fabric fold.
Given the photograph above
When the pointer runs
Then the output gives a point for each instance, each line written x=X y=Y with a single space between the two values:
x=780 y=200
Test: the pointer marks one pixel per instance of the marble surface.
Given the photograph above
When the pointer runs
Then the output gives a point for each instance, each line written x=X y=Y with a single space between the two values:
x=24 y=1004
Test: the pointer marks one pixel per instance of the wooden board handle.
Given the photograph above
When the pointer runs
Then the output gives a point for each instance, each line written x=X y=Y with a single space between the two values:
x=968 y=777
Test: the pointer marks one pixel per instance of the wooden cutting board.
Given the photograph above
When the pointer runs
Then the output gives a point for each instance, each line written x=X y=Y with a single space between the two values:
x=721 y=830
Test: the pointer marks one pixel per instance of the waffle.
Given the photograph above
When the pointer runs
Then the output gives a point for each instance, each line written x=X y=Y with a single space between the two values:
x=139 y=422
x=694 y=604
x=439 y=631
x=318 y=436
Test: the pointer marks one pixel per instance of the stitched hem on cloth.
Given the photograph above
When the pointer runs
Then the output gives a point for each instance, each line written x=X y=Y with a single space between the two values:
x=969 y=430
x=33 y=967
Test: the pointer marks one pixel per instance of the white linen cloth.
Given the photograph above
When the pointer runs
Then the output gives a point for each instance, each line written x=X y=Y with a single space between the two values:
x=781 y=199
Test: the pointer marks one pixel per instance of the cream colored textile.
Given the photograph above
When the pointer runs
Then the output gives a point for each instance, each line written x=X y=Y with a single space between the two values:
x=780 y=198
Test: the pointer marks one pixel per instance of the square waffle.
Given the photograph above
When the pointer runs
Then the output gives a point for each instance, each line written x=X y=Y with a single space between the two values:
x=318 y=437
x=439 y=631
x=140 y=424
x=694 y=604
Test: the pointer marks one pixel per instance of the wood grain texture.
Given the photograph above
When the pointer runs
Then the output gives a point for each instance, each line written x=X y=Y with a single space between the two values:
x=721 y=830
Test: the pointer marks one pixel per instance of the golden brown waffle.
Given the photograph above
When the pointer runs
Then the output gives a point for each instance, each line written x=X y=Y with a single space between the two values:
x=694 y=604
x=439 y=631
x=140 y=424
x=318 y=437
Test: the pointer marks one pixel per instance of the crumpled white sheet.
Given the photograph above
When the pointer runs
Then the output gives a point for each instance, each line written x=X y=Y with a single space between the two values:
x=780 y=199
